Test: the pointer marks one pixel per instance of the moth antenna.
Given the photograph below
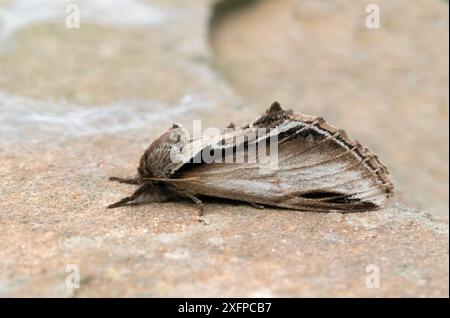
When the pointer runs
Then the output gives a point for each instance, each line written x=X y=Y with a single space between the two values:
x=274 y=108
x=131 y=198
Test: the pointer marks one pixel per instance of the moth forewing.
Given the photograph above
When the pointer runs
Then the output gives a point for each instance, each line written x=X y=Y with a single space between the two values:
x=319 y=168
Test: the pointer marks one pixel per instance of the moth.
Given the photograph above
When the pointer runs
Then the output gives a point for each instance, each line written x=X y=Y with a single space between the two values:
x=319 y=168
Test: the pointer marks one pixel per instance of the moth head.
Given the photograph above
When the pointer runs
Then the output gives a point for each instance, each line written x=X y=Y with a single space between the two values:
x=163 y=153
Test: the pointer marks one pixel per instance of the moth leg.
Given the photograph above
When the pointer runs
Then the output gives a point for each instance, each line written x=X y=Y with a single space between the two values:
x=256 y=206
x=133 y=197
x=198 y=202
x=124 y=180
x=186 y=194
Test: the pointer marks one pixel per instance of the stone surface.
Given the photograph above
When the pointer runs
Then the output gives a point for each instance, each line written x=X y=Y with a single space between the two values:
x=79 y=105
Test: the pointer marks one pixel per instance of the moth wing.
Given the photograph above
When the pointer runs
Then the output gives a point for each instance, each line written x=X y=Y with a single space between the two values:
x=187 y=149
x=318 y=168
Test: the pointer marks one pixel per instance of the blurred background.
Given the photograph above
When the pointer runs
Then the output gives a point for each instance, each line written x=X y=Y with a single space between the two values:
x=86 y=85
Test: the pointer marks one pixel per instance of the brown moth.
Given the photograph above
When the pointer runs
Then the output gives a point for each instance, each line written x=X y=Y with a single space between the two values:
x=319 y=168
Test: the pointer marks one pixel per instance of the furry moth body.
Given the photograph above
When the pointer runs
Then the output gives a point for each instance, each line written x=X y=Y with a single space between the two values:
x=319 y=169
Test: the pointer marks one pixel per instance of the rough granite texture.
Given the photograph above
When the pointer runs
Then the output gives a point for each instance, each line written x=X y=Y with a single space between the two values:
x=77 y=106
